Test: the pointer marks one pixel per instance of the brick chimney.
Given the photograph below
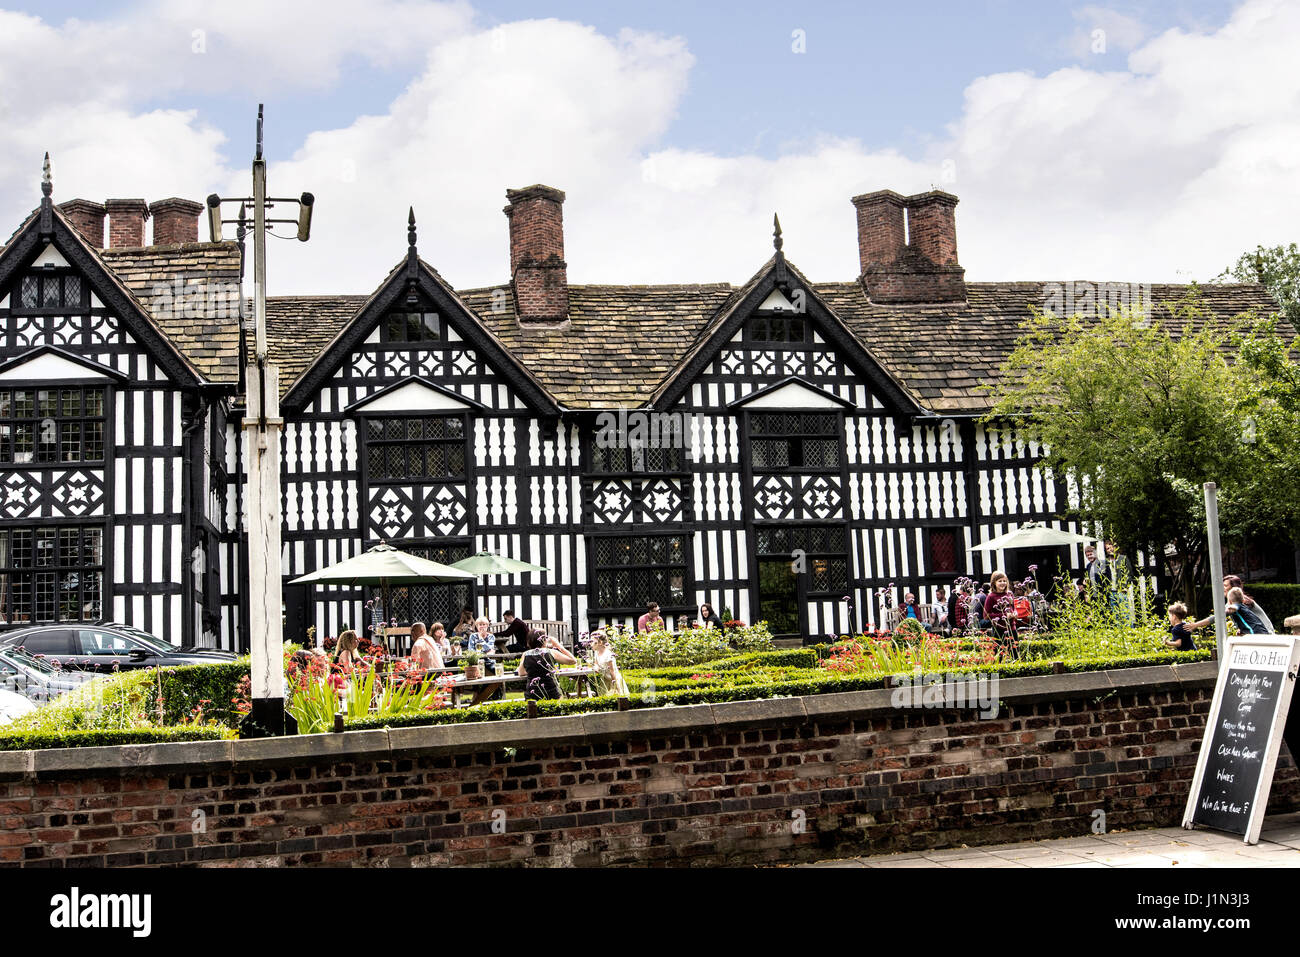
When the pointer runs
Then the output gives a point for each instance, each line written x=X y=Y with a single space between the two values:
x=932 y=226
x=923 y=270
x=87 y=218
x=881 y=235
x=175 y=221
x=126 y=222
x=537 y=266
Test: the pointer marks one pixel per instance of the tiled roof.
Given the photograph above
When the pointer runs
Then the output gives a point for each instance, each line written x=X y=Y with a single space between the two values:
x=620 y=341
x=205 y=327
x=299 y=328
x=944 y=353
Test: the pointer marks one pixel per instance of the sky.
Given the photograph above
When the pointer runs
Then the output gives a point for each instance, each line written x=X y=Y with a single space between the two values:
x=1133 y=141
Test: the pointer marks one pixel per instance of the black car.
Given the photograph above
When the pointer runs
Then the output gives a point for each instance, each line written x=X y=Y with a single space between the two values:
x=103 y=648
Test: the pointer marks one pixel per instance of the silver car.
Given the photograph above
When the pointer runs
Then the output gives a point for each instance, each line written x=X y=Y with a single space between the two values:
x=35 y=678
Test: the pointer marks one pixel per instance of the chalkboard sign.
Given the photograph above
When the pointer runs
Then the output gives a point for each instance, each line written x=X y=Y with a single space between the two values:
x=1243 y=735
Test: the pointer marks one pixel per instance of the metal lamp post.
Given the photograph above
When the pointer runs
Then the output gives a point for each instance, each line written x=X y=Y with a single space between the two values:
x=262 y=425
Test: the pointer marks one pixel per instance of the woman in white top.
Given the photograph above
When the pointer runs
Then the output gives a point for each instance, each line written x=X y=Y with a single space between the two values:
x=606 y=665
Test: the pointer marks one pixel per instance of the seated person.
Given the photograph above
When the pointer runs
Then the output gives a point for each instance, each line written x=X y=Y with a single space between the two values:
x=516 y=632
x=425 y=651
x=465 y=626
x=1181 y=633
x=538 y=666
x=651 y=619
x=438 y=631
x=481 y=638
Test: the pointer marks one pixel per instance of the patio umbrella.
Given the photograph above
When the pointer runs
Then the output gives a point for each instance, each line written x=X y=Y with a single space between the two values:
x=384 y=565
x=487 y=563
x=1032 y=535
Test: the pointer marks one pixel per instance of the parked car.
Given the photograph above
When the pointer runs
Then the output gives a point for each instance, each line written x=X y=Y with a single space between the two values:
x=35 y=678
x=13 y=705
x=104 y=648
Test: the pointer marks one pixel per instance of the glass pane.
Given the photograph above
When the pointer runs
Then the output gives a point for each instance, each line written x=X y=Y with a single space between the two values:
x=375 y=461
x=431 y=332
x=94 y=447
x=24 y=404
x=70 y=443
x=28 y=297
x=72 y=291
x=92 y=544
x=394 y=429
x=46 y=547
x=22 y=548
x=95 y=402
x=414 y=327
x=414 y=429
x=51 y=291
x=395 y=328
x=46 y=593
x=47 y=441
x=69 y=546
x=456 y=461
x=70 y=400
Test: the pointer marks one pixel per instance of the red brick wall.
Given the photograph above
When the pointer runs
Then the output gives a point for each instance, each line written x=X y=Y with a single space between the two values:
x=932 y=226
x=88 y=219
x=537 y=264
x=175 y=221
x=881 y=234
x=748 y=782
x=126 y=222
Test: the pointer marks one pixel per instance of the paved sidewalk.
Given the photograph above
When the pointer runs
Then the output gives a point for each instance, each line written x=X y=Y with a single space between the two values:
x=1279 y=846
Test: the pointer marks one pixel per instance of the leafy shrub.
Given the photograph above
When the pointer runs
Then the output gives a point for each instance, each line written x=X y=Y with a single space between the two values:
x=659 y=648
x=1280 y=601
x=779 y=684
x=32 y=739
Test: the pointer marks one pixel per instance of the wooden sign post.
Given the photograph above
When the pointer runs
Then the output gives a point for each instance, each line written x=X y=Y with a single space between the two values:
x=1243 y=734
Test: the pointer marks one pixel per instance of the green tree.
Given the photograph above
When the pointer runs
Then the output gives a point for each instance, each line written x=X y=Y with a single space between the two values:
x=1268 y=502
x=1277 y=268
x=1136 y=419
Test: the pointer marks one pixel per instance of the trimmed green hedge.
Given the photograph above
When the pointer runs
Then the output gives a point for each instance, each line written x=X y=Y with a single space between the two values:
x=780 y=658
x=18 y=739
x=816 y=682
x=184 y=686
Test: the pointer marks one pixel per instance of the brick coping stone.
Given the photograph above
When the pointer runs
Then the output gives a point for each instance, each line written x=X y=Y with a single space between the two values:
x=469 y=737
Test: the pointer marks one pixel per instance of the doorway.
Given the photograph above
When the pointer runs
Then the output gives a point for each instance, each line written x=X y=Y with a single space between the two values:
x=779 y=602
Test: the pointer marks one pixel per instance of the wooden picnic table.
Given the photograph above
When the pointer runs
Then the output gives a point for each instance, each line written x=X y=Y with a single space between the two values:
x=484 y=687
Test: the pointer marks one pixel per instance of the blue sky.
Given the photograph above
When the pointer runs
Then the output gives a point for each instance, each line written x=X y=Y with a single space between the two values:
x=891 y=74
x=677 y=128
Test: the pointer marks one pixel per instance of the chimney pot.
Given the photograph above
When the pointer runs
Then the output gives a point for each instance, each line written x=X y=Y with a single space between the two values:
x=175 y=220
x=126 y=222
x=537 y=267
x=87 y=218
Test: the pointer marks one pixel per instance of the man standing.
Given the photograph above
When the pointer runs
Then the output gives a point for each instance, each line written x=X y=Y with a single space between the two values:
x=650 y=619
x=516 y=632
x=1094 y=571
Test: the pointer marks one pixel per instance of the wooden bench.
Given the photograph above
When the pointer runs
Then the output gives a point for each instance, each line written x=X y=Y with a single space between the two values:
x=485 y=687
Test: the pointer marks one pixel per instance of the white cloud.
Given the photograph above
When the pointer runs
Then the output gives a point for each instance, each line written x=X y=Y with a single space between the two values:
x=1158 y=168
x=1102 y=31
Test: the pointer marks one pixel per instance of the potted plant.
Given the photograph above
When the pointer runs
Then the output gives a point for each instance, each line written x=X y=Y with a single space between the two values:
x=470 y=660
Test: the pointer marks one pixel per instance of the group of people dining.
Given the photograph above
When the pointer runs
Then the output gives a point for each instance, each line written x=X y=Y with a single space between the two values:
x=540 y=655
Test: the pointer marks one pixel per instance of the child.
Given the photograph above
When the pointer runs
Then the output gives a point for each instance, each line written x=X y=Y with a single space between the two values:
x=1181 y=633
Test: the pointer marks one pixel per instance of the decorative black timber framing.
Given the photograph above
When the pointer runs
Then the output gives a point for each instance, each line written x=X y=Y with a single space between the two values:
x=427 y=284
x=797 y=289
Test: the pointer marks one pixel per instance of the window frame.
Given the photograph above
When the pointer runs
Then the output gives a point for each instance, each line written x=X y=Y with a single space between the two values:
x=836 y=435
x=12 y=422
x=364 y=421
x=9 y=571
x=439 y=328
x=824 y=554
x=667 y=605
x=959 y=551
x=42 y=274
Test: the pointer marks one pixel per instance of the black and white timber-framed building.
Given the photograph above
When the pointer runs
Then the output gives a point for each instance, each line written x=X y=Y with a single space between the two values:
x=830 y=442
